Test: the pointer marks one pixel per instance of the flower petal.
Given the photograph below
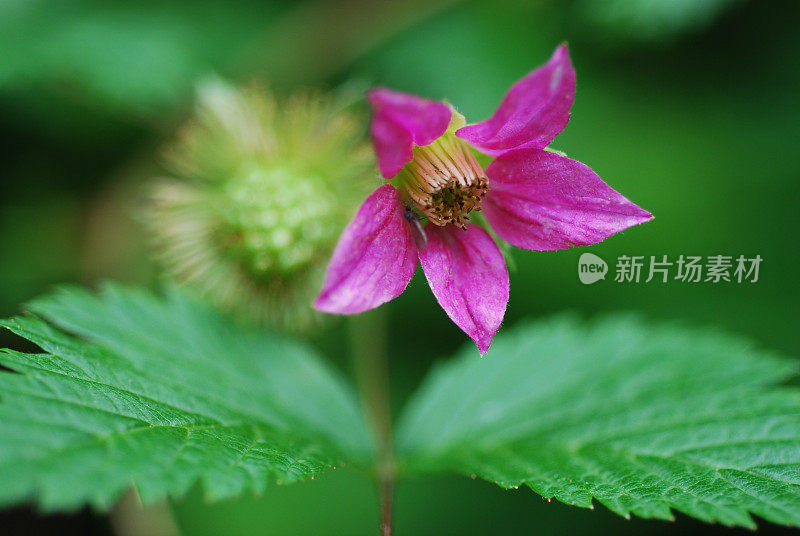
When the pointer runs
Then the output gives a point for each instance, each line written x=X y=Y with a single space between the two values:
x=468 y=275
x=400 y=122
x=544 y=201
x=533 y=112
x=374 y=259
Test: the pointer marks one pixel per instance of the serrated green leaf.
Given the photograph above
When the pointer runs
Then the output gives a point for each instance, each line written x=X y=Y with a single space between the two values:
x=161 y=393
x=644 y=418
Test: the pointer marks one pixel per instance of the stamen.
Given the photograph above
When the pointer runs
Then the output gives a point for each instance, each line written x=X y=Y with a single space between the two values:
x=444 y=181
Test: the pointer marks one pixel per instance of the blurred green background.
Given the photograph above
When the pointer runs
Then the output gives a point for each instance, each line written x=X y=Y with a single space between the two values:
x=689 y=108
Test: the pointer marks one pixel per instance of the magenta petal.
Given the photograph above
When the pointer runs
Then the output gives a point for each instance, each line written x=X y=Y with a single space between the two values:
x=468 y=275
x=374 y=259
x=402 y=121
x=533 y=112
x=543 y=201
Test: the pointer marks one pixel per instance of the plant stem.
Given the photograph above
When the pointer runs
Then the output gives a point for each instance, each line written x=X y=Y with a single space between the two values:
x=130 y=518
x=368 y=342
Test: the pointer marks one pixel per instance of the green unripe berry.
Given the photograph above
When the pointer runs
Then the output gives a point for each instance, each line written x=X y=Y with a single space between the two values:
x=261 y=192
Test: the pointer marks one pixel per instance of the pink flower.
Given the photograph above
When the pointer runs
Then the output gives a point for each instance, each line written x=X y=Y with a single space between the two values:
x=532 y=198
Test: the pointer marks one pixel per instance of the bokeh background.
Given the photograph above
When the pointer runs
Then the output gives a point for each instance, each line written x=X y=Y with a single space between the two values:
x=688 y=107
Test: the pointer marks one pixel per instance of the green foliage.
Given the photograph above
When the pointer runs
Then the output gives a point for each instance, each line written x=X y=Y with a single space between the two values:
x=643 y=418
x=162 y=393
x=130 y=58
x=650 y=20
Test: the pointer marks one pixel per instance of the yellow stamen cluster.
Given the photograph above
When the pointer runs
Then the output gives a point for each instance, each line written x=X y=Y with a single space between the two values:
x=444 y=181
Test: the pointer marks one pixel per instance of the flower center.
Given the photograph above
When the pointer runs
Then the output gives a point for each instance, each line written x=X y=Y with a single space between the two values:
x=444 y=181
